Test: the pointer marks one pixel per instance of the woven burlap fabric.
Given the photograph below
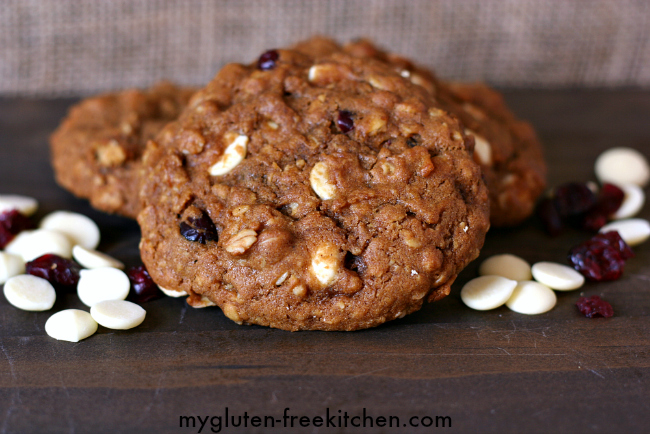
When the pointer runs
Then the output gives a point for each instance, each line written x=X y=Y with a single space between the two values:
x=78 y=47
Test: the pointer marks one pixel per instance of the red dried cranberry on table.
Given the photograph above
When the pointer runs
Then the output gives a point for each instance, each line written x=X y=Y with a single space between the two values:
x=11 y=223
x=143 y=288
x=594 y=306
x=602 y=257
x=610 y=198
x=62 y=273
x=550 y=217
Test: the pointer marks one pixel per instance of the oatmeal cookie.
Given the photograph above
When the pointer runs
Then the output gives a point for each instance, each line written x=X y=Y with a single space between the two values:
x=97 y=150
x=506 y=148
x=311 y=192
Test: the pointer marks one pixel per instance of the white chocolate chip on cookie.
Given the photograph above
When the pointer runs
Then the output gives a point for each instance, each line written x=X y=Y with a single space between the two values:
x=319 y=181
x=325 y=263
x=482 y=148
x=232 y=156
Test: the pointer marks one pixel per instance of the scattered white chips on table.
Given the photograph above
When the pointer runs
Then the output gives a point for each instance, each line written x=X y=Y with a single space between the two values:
x=71 y=325
x=29 y=292
x=118 y=314
x=622 y=166
x=633 y=231
x=89 y=258
x=79 y=228
x=531 y=298
x=487 y=292
x=24 y=204
x=100 y=284
x=557 y=276
x=10 y=265
x=506 y=265
x=633 y=202
x=32 y=244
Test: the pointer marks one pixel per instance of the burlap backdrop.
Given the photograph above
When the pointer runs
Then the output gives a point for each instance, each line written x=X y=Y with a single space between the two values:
x=73 y=47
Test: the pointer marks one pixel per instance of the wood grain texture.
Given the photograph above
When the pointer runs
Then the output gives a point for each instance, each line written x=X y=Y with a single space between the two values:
x=495 y=371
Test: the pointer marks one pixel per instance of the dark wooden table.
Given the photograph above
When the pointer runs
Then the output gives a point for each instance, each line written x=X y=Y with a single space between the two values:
x=495 y=371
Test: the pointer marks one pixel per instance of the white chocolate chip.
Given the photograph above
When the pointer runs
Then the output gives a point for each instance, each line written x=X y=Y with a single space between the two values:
x=508 y=266
x=172 y=292
x=325 y=263
x=24 y=204
x=118 y=314
x=32 y=244
x=10 y=266
x=272 y=125
x=101 y=284
x=241 y=242
x=80 y=229
x=633 y=231
x=531 y=298
x=71 y=325
x=623 y=166
x=29 y=292
x=487 y=292
x=632 y=202
x=232 y=156
x=282 y=278
x=319 y=180
x=557 y=276
x=482 y=148
x=89 y=258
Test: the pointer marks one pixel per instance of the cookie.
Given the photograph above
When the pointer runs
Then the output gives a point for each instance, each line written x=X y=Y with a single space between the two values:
x=97 y=150
x=305 y=192
x=506 y=148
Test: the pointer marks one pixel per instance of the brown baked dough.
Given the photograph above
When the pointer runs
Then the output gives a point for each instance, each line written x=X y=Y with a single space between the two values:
x=321 y=193
x=97 y=150
x=507 y=148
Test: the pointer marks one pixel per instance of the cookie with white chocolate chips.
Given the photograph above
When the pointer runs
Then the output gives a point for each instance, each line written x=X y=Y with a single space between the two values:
x=295 y=194
x=97 y=149
x=506 y=148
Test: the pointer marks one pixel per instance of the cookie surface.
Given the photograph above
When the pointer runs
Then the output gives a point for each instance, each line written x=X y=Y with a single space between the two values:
x=97 y=150
x=311 y=192
x=506 y=148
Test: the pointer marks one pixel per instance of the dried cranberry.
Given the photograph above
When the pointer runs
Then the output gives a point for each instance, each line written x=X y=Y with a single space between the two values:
x=11 y=223
x=267 y=60
x=62 y=273
x=602 y=257
x=550 y=217
x=594 y=306
x=199 y=229
x=609 y=201
x=573 y=198
x=344 y=121
x=143 y=288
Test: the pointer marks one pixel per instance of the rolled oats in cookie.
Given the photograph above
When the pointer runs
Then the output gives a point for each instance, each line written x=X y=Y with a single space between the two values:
x=97 y=150
x=506 y=148
x=316 y=200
